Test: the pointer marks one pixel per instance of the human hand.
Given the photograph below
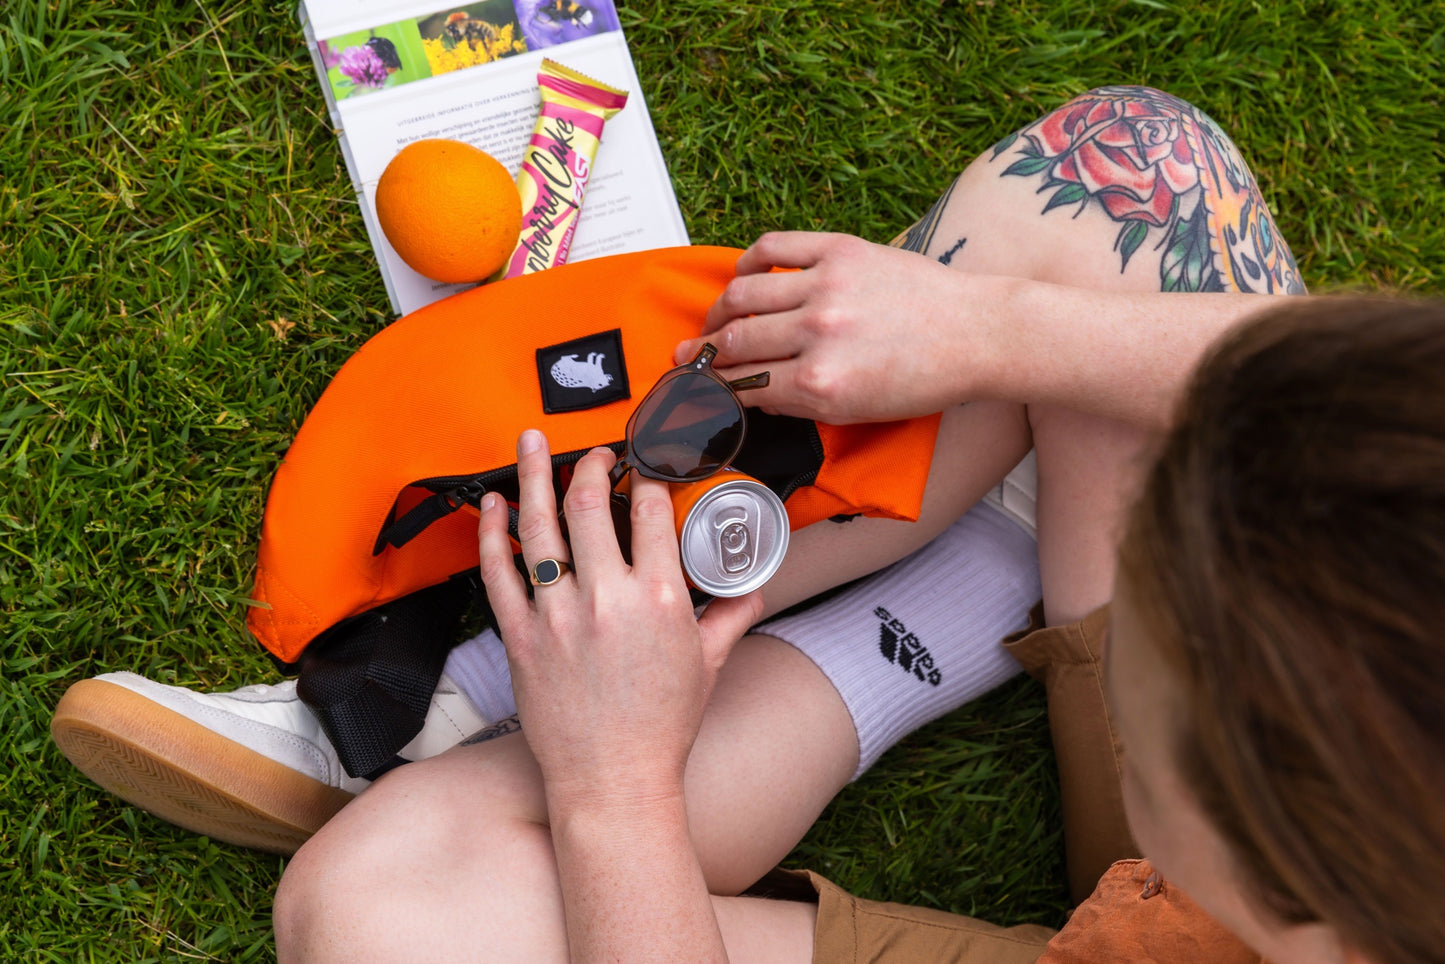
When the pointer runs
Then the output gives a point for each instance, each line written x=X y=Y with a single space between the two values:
x=611 y=670
x=863 y=332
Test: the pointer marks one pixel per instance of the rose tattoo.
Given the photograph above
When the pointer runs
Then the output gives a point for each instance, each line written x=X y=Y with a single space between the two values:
x=1158 y=165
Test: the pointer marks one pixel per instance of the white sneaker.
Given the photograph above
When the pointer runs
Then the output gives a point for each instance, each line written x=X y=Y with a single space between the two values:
x=250 y=767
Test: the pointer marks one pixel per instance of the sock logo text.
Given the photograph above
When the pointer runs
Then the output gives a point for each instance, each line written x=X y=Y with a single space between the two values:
x=900 y=646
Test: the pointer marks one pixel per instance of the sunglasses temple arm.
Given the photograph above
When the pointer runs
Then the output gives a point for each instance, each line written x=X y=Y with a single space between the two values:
x=618 y=472
x=760 y=380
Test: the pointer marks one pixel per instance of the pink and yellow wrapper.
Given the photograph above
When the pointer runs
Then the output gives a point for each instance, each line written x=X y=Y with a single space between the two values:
x=558 y=164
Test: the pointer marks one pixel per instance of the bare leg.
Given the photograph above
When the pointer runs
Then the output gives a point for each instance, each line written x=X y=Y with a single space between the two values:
x=776 y=745
x=760 y=931
x=1086 y=465
x=976 y=445
x=450 y=858
x=476 y=875
x=1124 y=189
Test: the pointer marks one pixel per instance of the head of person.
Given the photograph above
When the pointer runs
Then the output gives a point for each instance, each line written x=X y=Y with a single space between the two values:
x=1277 y=659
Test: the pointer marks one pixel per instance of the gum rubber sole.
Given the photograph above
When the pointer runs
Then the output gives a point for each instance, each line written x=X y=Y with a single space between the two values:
x=163 y=762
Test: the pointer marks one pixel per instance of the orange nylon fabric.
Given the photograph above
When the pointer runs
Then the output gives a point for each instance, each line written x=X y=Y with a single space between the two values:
x=446 y=390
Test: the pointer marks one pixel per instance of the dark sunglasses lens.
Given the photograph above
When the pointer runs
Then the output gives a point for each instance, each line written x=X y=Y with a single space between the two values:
x=688 y=427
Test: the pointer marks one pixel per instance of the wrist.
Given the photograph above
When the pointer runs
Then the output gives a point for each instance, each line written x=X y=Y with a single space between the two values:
x=617 y=822
x=620 y=803
x=996 y=342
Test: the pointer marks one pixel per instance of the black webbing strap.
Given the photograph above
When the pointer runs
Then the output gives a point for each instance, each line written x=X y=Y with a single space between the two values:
x=370 y=678
x=399 y=531
x=386 y=768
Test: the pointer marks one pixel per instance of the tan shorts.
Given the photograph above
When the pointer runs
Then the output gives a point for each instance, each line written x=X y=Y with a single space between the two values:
x=850 y=929
x=1067 y=660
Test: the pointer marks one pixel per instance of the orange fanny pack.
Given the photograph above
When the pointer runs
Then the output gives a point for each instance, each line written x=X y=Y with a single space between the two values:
x=369 y=540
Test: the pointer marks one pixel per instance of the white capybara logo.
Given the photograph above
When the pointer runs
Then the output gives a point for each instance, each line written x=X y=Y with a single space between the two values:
x=568 y=372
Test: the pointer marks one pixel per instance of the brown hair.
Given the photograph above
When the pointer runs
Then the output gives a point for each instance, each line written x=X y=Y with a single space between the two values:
x=1288 y=557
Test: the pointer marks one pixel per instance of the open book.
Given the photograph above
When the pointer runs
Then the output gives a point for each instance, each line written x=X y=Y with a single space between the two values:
x=397 y=71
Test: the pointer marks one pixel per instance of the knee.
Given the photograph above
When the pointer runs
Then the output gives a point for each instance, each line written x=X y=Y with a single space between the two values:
x=433 y=853
x=349 y=887
x=1128 y=150
x=315 y=902
x=1176 y=207
x=297 y=914
x=335 y=884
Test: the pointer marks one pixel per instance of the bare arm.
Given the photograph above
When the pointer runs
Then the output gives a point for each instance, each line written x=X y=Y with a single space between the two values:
x=867 y=332
x=1123 y=355
x=611 y=673
x=631 y=884
x=1104 y=205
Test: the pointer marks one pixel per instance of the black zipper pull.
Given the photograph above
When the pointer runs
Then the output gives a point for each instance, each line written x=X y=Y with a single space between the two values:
x=399 y=532
x=468 y=493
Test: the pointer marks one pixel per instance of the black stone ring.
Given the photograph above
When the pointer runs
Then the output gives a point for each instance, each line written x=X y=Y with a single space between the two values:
x=548 y=571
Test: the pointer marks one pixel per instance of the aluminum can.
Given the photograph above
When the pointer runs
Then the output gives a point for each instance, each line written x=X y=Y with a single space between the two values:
x=732 y=532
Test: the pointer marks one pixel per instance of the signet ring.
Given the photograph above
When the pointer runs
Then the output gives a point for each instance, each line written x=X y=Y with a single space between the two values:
x=548 y=571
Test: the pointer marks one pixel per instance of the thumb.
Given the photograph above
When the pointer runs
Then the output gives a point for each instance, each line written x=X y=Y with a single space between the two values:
x=723 y=623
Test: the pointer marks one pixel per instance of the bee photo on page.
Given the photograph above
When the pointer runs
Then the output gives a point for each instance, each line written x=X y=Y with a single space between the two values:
x=546 y=23
x=470 y=34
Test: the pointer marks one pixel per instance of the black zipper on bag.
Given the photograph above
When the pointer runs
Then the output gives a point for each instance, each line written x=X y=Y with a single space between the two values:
x=807 y=478
x=450 y=493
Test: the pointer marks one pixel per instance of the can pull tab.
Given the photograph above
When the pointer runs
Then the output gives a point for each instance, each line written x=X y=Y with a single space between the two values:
x=734 y=540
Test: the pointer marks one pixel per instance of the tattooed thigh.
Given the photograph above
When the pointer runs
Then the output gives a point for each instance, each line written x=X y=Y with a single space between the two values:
x=919 y=237
x=503 y=727
x=1168 y=176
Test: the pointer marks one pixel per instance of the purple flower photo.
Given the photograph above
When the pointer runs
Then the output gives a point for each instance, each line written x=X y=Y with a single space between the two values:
x=363 y=66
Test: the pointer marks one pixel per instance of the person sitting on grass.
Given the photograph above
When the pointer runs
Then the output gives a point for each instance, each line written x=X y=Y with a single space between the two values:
x=1274 y=670
x=1274 y=673
x=1054 y=328
x=627 y=823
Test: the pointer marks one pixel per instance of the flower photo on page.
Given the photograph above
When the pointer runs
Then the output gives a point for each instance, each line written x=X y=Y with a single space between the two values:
x=371 y=60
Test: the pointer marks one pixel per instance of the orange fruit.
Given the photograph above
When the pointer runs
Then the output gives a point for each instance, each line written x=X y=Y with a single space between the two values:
x=450 y=210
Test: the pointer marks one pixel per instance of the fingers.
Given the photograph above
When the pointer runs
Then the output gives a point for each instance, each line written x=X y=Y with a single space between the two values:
x=654 y=536
x=760 y=293
x=757 y=294
x=755 y=340
x=723 y=623
x=787 y=249
x=506 y=592
x=538 y=528
x=588 y=506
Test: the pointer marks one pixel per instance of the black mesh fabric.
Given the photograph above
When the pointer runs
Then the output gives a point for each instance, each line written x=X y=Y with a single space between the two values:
x=370 y=678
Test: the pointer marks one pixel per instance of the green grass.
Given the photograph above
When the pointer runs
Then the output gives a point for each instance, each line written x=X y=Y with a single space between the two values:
x=182 y=267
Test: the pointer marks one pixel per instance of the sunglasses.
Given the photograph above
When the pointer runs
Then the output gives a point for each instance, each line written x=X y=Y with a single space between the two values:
x=689 y=426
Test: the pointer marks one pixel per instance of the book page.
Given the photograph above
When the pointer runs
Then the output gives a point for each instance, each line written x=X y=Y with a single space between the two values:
x=422 y=79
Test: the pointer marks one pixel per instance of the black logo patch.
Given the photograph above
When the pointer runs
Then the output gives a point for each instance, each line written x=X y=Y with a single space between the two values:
x=583 y=373
x=900 y=646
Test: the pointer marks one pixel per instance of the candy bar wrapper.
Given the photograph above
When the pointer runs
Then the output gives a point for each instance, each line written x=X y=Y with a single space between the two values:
x=558 y=163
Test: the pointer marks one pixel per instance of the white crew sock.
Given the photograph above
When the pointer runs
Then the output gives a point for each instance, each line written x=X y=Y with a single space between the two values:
x=479 y=668
x=922 y=637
